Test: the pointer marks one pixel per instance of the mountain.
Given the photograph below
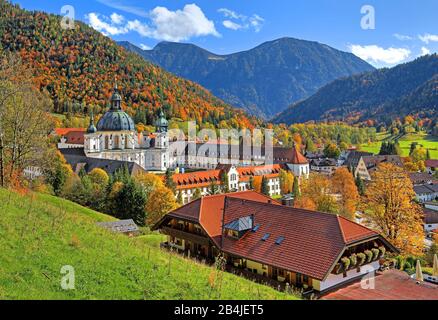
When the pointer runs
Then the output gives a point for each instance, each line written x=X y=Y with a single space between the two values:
x=263 y=80
x=383 y=94
x=78 y=67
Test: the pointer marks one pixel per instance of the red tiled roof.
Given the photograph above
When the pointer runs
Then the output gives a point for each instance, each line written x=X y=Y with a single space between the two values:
x=313 y=241
x=75 y=137
x=389 y=285
x=64 y=131
x=297 y=157
x=431 y=163
x=196 y=179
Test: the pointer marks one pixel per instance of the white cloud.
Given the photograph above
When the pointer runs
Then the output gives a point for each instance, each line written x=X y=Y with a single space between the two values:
x=231 y=14
x=163 y=24
x=425 y=51
x=256 y=22
x=426 y=38
x=241 y=21
x=99 y=23
x=181 y=24
x=402 y=37
x=145 y=47
x=130 y=9
x=117 y=18
x=380 y=56
x=231 y=25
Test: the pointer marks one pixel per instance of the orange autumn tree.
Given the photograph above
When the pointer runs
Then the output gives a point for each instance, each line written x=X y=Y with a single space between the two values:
x=257 y=183
x=343 y=184
x=317 y=194
x=390 y=208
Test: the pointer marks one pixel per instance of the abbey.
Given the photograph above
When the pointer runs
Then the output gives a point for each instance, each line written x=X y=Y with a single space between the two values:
x=116 y=138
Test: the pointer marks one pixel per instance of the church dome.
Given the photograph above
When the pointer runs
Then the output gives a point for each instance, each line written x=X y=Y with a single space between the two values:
x=116 y=120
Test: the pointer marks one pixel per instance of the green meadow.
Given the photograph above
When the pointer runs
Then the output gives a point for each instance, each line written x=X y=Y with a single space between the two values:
x=427 y=141
x=39 y=234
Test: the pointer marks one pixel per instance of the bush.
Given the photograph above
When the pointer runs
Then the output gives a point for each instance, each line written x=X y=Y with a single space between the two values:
x=369 y=255
x=407 y=266
x=353 y=260
x=375 y=252
x=345 y=263
x=361 y=257
x=382 y=250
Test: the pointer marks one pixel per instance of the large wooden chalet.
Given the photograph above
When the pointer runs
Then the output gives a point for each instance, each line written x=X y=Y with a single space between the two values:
x=258 y=235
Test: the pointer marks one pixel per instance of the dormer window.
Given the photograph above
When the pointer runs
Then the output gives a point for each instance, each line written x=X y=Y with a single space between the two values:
x=237 y=228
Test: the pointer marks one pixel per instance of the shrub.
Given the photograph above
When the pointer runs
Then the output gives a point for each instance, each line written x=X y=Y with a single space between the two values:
x=353 y=260
x=361 y=257
x=369 y=255
x=375 y=252
x=382 y=250
x=345 y=263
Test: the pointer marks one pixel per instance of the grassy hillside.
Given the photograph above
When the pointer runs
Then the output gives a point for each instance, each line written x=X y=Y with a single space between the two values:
x=427 y=141
x=39 y=234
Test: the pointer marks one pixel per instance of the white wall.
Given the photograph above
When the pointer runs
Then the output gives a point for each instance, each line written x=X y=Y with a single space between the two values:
x=335 y=279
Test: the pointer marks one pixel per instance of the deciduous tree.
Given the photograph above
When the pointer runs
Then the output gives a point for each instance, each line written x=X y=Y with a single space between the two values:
x=390 y=208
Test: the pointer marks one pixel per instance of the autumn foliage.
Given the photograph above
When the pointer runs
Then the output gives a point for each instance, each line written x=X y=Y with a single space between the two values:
x=389 y=206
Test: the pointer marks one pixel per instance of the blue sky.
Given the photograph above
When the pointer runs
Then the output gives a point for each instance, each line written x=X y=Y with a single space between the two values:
x=400 y=31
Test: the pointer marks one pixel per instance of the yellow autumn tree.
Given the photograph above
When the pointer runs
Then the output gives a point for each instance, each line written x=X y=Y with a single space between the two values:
x=389 y=207
x=286 y=181
x=317 y=189
x=149 y=181
x=343 y=184
x=160 y=202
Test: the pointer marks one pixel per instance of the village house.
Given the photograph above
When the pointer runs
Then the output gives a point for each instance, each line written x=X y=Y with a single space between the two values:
x=239 y=179
x=430 y=219
x=426 y=192
x=325 y=166
x=258 y=236
x=420 y=178
x=431 y=165
x=368 y=164
x=70 y=137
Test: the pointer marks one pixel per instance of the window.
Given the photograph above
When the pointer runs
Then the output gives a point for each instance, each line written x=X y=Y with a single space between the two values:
x=256 y=227
x=265 y=236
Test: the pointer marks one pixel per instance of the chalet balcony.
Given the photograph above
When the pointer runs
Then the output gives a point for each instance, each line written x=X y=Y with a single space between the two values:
x=186 y=235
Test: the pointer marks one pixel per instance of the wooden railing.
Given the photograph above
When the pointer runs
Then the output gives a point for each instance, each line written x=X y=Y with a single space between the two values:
x=185 y=235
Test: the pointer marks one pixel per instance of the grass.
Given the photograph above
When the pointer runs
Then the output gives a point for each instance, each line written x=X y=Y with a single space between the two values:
x=39 y=234
x=427 y=141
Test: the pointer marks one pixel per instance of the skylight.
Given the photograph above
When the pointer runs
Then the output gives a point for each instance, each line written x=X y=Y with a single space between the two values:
x=266 y=236
x=279 y=240
x=256 y=227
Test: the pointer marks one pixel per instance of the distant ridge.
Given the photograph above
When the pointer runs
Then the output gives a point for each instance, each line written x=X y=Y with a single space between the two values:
x=263 y=80
x=381 y=95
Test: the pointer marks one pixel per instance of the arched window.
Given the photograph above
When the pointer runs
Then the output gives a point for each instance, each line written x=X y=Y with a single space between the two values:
x=116 y=142
x=106 y=142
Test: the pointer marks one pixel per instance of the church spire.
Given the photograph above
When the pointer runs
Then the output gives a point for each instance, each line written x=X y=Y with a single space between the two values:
x=116 y=99
x=91 y=127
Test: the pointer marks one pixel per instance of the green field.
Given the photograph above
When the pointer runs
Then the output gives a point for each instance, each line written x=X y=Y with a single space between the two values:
x=427 y=141
x=39 y=234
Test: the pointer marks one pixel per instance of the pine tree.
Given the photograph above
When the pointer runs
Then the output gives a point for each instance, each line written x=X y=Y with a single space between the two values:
x=360 y=185
x=213 y=188
x=169 y=180
x=265 y=186
x=251 y=183
x=296 y=188
x=197 y=194
x=225 y=182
